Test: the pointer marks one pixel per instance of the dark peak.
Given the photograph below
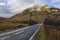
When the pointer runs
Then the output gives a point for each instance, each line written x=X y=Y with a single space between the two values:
x=55 y=8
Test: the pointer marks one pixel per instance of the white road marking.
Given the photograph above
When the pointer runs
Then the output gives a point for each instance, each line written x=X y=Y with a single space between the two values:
x=34 y=33
x=19 y=32
x=3 y=38
x=13 y=31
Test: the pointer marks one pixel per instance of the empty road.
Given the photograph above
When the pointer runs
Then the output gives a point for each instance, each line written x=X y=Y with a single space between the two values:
x=26 y=33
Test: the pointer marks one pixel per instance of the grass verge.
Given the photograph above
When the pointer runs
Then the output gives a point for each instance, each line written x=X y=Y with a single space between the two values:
x=42 y=34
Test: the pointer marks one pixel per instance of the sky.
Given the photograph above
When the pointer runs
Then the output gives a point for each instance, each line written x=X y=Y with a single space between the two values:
x=9 y=8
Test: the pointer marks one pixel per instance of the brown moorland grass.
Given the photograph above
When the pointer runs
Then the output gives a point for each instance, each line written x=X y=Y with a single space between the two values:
x=41 y=34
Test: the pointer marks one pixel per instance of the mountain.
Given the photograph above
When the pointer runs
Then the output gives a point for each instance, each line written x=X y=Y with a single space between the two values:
x=36 y=14
x=26 y=13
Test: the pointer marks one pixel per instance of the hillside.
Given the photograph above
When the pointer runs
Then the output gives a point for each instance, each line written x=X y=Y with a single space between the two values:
x=23 y=19
x=52 y=26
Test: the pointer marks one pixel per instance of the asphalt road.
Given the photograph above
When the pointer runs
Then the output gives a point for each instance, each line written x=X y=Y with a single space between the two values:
x=26 y=33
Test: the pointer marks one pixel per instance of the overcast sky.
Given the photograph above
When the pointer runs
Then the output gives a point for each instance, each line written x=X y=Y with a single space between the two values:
x=11 y=7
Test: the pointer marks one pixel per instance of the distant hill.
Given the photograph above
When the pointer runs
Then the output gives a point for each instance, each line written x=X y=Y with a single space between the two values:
x=2 y=19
